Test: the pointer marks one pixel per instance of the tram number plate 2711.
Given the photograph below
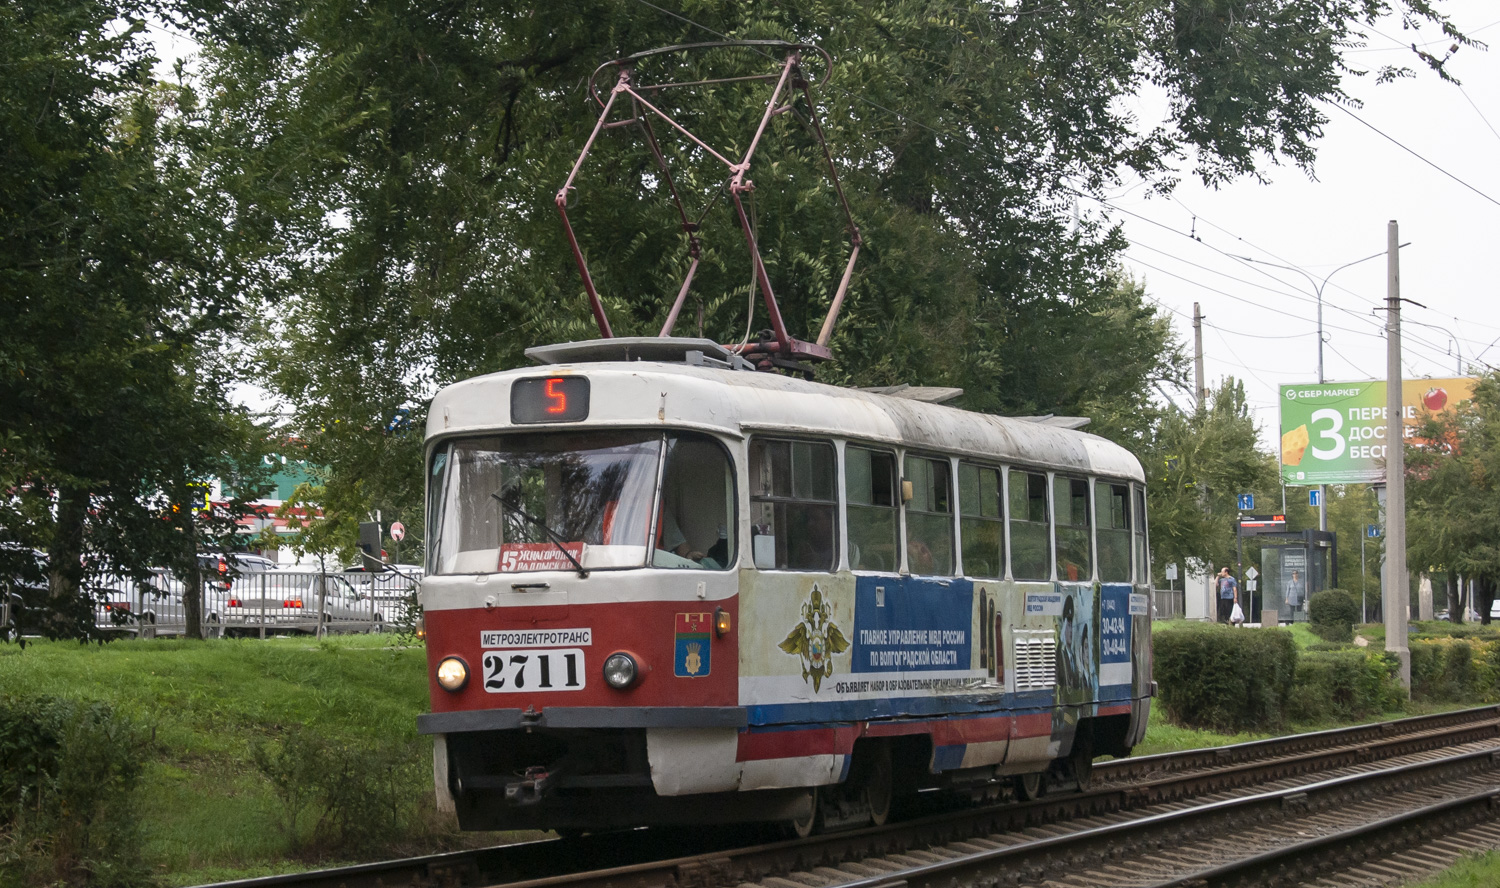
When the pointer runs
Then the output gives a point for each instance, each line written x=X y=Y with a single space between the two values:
x=519 y=672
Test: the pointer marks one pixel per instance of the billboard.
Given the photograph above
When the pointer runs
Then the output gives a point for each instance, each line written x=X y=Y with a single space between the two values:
x=1334 y=432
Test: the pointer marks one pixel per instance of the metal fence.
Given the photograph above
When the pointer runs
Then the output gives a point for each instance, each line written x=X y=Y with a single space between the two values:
x=1170 y=603
x=263 y=604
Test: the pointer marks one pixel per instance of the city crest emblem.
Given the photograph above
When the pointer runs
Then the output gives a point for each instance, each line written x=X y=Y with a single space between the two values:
x=692 y=656
x=815 y=640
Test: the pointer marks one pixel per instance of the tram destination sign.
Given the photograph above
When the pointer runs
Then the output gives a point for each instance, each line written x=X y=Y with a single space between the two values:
x=1335 y=433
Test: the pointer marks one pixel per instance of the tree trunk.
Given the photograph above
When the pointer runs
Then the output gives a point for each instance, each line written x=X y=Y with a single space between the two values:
x=1484 y=596
x=1455 y=607
x=67 y=616
x=192 y=590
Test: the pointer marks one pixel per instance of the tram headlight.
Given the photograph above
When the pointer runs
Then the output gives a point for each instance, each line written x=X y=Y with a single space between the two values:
x=453 y=674
x=620 y=670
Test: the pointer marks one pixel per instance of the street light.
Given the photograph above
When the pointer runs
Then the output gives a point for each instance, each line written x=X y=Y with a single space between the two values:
x=1318 y=290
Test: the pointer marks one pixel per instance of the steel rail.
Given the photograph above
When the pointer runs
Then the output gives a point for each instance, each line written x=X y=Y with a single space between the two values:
x=1292 y=864
x=1109 y=841
x=1176 y=775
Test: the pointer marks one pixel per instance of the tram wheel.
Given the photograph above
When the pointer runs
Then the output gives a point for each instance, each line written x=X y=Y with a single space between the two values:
x=880 y=785
x=1029 y=787
x=1081 y=759
x=803 y=827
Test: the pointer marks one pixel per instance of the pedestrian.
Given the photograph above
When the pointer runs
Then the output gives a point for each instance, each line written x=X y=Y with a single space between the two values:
x=1229 y=594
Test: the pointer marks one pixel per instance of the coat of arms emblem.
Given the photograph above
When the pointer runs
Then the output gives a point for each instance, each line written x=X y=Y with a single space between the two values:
x=815 y=640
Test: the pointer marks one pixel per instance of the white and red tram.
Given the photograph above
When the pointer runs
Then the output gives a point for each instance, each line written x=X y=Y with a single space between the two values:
x=664 y=590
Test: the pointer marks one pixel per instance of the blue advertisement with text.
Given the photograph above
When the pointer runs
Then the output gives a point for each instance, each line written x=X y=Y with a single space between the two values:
x=912 y=625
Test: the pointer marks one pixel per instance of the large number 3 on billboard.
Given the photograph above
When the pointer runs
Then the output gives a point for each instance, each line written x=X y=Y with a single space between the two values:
x=1336 y=449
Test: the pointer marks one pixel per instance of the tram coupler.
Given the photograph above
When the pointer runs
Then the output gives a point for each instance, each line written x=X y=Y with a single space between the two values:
x=534 y=783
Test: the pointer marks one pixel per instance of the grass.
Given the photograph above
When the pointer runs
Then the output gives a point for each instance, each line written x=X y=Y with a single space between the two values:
x=1471 y=871
x=208 y=814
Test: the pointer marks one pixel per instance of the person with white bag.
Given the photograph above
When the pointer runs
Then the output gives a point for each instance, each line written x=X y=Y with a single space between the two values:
x=1229 y=597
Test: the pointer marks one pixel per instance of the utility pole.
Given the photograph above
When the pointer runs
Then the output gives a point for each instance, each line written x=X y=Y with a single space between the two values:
x=1198 y=391
x=1395 y=591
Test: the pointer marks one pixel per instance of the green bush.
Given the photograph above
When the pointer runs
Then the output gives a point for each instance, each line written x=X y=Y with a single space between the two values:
x=337 y=795
x=1332 y=613
x=1224 y=679
x=1342 y=684
x=68 y=775
x=1445 y=670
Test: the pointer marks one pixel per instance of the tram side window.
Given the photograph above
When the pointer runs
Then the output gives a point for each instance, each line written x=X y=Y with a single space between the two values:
x=980 y=530
x=1029 y=551
x=870 y=488
x=1142 y=565
x=792 y=504
x=1112 y=503
x=929 y=517
x=697 y=506
x=1070 y=497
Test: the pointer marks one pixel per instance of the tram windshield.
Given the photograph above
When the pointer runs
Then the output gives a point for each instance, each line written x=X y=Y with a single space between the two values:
x=543 y=501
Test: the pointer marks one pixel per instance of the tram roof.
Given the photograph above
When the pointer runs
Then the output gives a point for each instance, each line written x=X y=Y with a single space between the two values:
x=737 y=402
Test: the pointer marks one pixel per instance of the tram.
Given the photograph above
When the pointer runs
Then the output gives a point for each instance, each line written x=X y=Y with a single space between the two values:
x=663 y=588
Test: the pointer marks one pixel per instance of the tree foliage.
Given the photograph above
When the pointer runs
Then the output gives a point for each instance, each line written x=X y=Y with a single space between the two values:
x=1196 y=467
x=119 y=285
x=403 y=157
x=367 y=187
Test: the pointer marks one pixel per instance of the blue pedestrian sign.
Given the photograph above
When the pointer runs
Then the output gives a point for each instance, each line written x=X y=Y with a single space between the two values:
x=1315 y=497
x=1372 y=530
x=1247 y=501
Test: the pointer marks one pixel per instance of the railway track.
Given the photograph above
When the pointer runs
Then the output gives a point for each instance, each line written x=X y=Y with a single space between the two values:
x=1063 y=829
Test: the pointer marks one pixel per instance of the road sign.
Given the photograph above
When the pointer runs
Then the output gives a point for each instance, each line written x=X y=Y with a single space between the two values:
x=1251 y=573
x=1172 y=571
x=398 y=531
x=1247 y=502
x=1250 y=585
x=1372 y=530
x=1315 y=497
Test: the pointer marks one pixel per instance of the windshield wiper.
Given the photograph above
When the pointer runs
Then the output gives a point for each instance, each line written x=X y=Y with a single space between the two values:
x=551 y=535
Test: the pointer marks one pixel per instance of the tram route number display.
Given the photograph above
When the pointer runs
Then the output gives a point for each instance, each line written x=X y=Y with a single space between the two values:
x=531 y=671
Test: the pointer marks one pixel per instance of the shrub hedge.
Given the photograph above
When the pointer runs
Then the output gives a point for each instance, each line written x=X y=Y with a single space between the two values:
x=68 y=774
x=1343 y=684
x=1332 y=613
x=1224 y=679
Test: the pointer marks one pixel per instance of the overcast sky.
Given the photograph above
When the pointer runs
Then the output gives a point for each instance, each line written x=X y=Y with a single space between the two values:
x=1260 y=320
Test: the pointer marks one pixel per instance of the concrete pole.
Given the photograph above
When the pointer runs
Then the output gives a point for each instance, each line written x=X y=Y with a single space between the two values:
x=1198 y=391
x=1395 y=592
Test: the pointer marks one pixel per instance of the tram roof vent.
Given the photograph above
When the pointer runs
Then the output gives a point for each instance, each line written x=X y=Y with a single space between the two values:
x=931 y=394
x=1061 y=422
x=663 y=349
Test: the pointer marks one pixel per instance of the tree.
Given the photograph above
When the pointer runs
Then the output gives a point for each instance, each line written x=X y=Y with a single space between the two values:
x=1199 y=463
x=119 y=300
x=404 y=162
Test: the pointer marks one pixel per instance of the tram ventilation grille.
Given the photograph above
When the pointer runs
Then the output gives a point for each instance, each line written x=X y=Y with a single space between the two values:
x=1036 y=662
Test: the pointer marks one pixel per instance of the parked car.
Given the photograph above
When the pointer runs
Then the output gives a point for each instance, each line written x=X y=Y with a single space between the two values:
x=155 y=607
x=23 y=589
x=291 y=602
x=393 y=590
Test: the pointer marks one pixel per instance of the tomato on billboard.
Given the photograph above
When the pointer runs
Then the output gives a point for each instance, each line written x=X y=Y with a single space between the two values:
x=1335 y=432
